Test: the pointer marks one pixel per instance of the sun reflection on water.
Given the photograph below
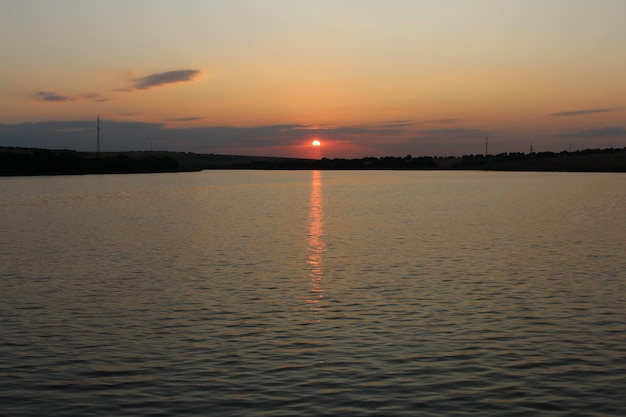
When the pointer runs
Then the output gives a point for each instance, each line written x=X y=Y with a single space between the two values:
x=316 y=244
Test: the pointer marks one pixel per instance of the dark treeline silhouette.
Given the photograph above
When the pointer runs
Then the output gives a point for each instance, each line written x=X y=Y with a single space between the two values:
x=508 y=161
x=588 y=160
x=593 y=160
x=368 y=163
x=386 y=162
x=20 y=161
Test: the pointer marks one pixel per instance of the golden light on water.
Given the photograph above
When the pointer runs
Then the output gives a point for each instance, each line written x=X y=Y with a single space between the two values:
x=316 y=243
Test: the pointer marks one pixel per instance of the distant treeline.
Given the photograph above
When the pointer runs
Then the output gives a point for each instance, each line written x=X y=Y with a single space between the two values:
x=21 y=161
x=512 y=159
x=605 y=160
x=385 y=162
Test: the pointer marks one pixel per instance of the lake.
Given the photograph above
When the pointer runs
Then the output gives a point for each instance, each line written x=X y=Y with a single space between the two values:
x=324 y=293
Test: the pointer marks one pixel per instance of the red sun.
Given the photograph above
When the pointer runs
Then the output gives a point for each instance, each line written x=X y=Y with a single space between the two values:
x=316 y=143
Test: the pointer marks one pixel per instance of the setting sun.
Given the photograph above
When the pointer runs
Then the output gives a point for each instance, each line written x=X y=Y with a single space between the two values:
x=332 y=77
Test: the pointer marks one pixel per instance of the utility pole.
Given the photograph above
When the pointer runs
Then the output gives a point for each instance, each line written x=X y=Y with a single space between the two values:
x=486 y=145
x=98 y=136
x=531 y=148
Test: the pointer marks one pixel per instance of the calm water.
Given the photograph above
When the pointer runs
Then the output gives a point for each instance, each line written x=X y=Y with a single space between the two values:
x=252 y=293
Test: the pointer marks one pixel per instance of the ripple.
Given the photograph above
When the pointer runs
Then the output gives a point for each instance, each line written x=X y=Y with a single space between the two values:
x=407 y=295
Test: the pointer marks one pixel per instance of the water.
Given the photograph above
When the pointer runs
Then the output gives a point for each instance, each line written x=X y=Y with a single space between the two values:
x=253 y=293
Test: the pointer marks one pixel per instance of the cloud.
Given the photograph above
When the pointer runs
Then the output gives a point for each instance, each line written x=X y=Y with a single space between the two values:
x=143 y=83
x=454 y=133
x=164 y=78
x=398 y=123
x=52 y=96
x=97 y=97
x=385 y=128
x=596 y=133
x=581 y=112
x=124 y=136
x=269 y=140
x=185 y=119
x=443 y=121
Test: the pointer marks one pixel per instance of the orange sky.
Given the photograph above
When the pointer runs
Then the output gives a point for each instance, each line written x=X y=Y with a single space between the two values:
x=368 y=78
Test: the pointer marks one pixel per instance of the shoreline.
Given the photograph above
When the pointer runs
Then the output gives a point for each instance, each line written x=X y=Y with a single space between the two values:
x=45 y=162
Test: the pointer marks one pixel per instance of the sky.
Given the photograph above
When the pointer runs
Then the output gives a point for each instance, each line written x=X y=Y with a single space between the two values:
x=266 y=77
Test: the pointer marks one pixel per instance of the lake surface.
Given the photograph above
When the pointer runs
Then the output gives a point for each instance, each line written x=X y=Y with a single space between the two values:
x=278 y=293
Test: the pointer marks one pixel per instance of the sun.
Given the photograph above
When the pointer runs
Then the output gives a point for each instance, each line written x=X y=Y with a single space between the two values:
x=316 y=143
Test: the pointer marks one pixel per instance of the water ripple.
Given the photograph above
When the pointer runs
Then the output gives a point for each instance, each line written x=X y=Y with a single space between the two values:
x=324 y=294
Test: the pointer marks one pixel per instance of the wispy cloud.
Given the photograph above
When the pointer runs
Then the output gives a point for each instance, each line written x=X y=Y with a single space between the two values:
x=143 y=83
x=185 y=119
x=392 y=127
x=443 y=121
x=164 y=78
x=398 y=123
x=97 y=97
x=454 y=133
x=596 y=133
x=52 y=96
x=581 y=112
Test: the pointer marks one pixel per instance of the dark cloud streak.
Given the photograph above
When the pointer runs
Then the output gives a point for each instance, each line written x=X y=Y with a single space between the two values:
x=52 y=96
x=269 y=140
x=443 y=121
x=163 y=78
x=454 y=133
x=596 y=133
x=185 y=119
x=581 y=112
x=97 y=97
x=150 y=81
x=398 y=123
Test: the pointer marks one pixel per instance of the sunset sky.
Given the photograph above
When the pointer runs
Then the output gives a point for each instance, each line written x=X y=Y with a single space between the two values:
x=266 y=77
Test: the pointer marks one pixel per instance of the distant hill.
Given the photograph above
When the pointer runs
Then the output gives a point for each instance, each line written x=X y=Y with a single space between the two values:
x=29 y=161
x=34 y=161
